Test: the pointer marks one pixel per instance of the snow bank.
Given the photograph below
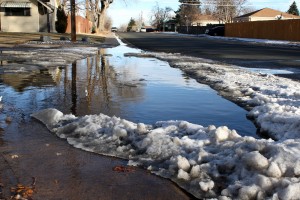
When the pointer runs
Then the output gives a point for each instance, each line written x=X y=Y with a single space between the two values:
x=274 y=101
x=246 y=40
x=208 y=162
x=45 y=57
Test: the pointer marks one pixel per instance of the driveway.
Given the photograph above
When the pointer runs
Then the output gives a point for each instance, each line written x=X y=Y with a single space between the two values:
x=246 y=54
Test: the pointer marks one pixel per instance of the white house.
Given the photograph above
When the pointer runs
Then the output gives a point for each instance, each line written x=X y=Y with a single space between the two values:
x=203 y=20
x=265 y=14
x=27 y=15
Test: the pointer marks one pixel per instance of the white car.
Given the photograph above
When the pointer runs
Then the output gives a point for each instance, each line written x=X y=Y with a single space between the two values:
x=114 y=29
x=143 y=29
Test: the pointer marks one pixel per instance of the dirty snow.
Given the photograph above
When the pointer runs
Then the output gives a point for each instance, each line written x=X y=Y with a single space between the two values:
x=46 y=57
x=246 y=40
x=208 y=162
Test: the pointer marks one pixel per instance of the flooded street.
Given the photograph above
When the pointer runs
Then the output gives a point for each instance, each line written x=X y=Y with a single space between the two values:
x=136 y=89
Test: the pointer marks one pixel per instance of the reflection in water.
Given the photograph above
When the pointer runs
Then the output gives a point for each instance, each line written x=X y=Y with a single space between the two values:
x=96 y=79
x=1 y=139
x=100 y=88
x=19 y=79
x=137 y=89
x=74 y=88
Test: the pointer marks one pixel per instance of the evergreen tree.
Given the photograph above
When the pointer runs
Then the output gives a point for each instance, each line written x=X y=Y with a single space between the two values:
x=293 y=9
x=188 y=11
x=131 y=24
x=177 y=18
x=62 y=20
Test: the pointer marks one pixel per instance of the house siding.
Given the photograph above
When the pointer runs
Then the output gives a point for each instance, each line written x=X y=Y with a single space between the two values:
x=204 y=22
x=253 y=19
x=21 y=23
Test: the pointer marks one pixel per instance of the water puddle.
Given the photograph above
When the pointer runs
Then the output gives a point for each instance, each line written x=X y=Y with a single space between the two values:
x=137 y=89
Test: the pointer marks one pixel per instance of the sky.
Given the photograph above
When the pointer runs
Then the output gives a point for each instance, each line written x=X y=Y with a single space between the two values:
x=122 y=10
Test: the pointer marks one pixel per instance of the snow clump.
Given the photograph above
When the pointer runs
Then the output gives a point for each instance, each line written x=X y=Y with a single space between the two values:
x=208 y=162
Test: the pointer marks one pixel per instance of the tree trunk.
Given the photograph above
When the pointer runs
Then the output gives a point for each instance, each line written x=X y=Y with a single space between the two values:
x=102 y=20
x=104 y=6
x=73 y=21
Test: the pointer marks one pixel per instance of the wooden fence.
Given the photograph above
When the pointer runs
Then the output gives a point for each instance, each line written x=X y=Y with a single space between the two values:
x=82 y=25
x=274 y=30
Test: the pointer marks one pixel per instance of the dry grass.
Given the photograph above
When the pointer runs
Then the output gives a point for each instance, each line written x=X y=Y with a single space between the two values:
x=20 y=38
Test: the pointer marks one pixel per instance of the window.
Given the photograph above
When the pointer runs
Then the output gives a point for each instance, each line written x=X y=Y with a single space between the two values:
x=17 y=11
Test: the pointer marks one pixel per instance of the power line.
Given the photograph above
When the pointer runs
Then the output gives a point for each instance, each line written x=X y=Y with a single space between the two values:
x=208 y=4
x=192 y=4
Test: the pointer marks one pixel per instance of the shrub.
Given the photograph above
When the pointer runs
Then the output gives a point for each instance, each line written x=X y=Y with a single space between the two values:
x=62 y=20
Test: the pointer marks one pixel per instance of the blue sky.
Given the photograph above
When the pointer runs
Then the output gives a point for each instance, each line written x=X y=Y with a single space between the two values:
x=122 y=10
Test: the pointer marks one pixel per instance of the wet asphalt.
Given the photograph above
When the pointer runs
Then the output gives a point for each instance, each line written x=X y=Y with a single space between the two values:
x=245 y=54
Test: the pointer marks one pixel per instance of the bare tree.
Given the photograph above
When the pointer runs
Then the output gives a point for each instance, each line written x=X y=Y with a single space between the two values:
x=96 y=9
x=108 y=23
x=122 y=28
x=225 y=10
x=139 y=21
x=160 y=16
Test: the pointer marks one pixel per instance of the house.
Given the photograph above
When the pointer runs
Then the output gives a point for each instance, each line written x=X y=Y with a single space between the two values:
x=204 y=20
x=265 y=14
x=27 y=15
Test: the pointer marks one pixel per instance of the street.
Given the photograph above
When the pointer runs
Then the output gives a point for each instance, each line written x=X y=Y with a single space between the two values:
x=240 y=53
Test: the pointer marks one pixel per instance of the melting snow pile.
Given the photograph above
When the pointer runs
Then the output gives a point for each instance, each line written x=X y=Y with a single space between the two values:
x=44 y=57
x=275 y=101
x=207 y=161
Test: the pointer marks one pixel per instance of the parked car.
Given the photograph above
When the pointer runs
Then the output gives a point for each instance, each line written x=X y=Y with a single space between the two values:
x=216 y=31
x=143 y=29
x=147 y=29
x=114 y=29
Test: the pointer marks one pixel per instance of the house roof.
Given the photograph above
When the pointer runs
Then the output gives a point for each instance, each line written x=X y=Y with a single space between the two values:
x=206 y=17
x=12 y=4
x=268 y=12
x=148 y=27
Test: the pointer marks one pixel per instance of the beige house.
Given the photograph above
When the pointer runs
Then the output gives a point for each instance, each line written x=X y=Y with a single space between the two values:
x=27 y=15
x=265 y=14
x=203 y=20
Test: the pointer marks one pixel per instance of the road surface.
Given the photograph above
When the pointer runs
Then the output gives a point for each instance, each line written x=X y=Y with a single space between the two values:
x=240 y=53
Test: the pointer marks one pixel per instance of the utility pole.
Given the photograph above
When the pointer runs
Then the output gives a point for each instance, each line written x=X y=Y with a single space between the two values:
x=73 y=21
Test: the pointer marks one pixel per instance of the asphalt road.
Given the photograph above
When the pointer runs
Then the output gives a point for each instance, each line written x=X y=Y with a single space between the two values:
x=244 y=54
